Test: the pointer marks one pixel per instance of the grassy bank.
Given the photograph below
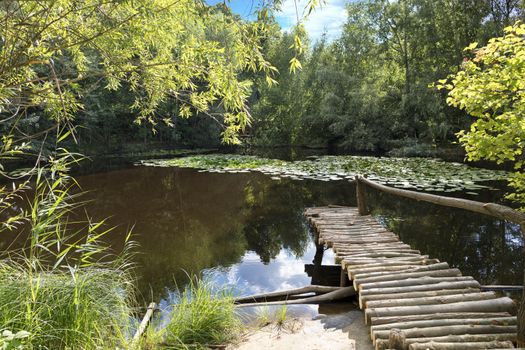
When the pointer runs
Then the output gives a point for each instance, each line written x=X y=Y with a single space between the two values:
x=78 y=309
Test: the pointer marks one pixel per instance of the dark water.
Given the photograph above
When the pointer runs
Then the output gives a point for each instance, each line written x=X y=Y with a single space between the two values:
x=248 y=231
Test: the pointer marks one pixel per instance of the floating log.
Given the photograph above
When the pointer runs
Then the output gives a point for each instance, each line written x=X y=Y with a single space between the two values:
x=340 y=293
x=400 y=276
x=365 y=299
x=445 y=315
x=462 y=346
x=440 y=299
x=504 y=304
x=382 y=344
x=286 y=293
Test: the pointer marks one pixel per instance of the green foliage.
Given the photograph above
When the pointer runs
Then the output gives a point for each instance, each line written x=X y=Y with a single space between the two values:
x=490 y=87
x=142 y=47
x=368 y=89
x=414 y=173
x=202 y=316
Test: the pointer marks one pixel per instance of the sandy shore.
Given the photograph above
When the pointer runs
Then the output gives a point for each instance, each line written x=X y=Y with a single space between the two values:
x=335 y=332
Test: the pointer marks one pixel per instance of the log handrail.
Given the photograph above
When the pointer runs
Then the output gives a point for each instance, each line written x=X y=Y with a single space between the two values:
x=496 y=210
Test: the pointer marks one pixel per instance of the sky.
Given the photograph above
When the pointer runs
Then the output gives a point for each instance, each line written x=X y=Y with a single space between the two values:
x=329 y=18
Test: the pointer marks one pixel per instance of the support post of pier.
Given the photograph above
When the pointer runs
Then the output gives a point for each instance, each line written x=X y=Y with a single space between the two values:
x=344 y=281
x=361 y=196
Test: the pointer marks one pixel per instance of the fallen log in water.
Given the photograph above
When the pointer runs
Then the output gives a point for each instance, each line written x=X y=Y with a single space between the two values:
x=286 y=294
x=339 y=294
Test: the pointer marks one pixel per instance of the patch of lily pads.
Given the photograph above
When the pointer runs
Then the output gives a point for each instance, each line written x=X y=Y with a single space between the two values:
x=424 y=174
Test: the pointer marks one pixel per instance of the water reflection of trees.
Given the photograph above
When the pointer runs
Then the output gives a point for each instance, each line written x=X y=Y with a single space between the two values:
x=186 y=221
x=491 y=250
x=274 y=217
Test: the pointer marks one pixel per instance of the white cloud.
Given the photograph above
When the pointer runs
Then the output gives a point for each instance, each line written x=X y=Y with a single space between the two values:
x=328 y=18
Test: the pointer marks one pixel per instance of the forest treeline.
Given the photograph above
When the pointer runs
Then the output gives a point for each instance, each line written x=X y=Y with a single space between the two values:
x=367 y=90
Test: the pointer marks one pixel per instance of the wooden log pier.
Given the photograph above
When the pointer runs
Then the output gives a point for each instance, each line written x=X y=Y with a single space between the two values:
x=410 y=300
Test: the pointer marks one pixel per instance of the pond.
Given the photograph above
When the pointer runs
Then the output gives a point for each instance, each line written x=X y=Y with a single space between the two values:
x=247 y=229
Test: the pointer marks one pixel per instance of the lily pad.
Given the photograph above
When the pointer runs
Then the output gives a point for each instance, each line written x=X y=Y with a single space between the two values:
x=424 y=174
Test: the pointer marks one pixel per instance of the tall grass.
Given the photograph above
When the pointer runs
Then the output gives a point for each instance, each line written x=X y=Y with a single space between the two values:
x=202 y=316
x=84 y=309
x=65 y=288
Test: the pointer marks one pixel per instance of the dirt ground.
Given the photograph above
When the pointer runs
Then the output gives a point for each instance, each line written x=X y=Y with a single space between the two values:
x=331 y=332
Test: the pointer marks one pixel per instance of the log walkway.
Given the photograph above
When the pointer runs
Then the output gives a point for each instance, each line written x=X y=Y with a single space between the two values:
x=410 y=300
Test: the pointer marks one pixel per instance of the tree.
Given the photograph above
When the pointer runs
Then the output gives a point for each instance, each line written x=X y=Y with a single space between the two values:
x=490 y=87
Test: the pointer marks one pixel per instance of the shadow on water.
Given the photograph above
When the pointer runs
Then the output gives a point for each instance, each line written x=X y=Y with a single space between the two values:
x=247 y=230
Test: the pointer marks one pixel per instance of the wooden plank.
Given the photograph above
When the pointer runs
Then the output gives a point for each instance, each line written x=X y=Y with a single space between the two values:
x=431 y=293
x=497 y=321
x=440 y=331
x=413 y=282
x=404 y=276
x=440 y=299
x=503 y=304
x=386 y=270
x=399 y=288
x=462 y=346
x=458 y=339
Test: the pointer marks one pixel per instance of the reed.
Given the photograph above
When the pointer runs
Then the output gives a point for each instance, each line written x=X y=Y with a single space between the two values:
x=65 y=289
x=203 y=315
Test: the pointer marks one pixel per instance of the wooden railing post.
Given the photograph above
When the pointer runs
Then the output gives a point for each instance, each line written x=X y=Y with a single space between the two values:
x=361 y=196
x=521 y=312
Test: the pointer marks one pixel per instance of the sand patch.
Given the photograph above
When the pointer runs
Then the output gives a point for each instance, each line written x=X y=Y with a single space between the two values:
x=296 y=333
